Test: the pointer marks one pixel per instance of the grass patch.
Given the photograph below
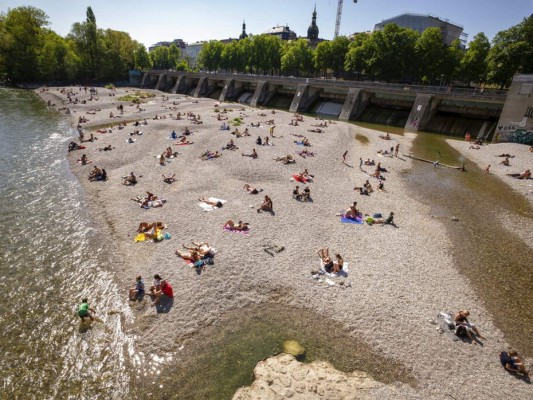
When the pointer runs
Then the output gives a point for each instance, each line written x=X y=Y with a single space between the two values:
x=236 y=121
x=137 y=97
x=361 y=138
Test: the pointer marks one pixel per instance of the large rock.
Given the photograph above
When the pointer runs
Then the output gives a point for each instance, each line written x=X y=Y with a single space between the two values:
x=282 y=377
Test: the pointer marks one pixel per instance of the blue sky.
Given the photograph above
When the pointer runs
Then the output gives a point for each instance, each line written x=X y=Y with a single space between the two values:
x=192 y=20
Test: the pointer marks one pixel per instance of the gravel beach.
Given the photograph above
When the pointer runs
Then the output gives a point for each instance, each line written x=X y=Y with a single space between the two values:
x=398 y=278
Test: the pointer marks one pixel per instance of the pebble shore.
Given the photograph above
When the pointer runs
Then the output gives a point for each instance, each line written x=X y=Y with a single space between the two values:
x=395 y=285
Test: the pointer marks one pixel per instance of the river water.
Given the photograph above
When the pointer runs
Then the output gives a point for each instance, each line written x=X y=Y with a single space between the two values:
x=49 y=261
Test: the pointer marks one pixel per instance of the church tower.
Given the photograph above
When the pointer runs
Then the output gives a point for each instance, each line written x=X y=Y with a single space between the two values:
x=243 y=34
x=312 y=31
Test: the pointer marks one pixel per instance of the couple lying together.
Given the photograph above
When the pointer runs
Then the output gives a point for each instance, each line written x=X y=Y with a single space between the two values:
x=199 y=254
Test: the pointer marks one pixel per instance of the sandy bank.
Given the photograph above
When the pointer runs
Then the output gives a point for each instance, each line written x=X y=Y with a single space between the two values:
x=398 y=280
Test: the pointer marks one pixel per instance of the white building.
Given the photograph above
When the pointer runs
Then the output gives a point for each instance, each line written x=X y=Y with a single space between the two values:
x=190 y=53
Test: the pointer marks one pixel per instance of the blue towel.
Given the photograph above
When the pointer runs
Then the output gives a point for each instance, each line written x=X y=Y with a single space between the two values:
x=358 y=220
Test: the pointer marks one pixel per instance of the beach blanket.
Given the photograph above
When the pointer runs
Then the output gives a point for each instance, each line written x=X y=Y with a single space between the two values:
x=237 y=231
x=300 y=143
x=301 y=180
x=207 y=207
x=358 y=220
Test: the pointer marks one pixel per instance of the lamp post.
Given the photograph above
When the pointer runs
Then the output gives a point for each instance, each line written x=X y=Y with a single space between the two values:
x=441 y=79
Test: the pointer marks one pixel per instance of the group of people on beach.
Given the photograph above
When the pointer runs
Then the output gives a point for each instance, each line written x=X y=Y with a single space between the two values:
x=201 y=254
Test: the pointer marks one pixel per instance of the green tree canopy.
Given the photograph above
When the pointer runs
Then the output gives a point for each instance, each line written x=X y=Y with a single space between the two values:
x=141 y=58
x=511 y=52
x=431 y=53
x=22 y=40
x=474 y=62
x=210 y=55
x=297 y=57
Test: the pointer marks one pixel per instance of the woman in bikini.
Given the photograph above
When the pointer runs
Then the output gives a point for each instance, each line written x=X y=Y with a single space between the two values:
x=240 y=226
x=326 y=260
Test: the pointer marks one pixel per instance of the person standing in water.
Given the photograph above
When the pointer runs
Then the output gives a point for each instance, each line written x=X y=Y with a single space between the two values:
x=84 y=311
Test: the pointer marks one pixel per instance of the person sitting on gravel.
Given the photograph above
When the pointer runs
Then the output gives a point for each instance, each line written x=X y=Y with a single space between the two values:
x=296 y=193
x=370 y=162
x=240 y=226
x=266 y=205
x=463 y=326
x=327 y=262
x=505 y=162
x=338 y=263
x=285 y=160
x=352 y=212
x=251 y=190
x=306 y=194
x=230 y=146
x=129 y=180
x=253 y=154
x=137 y=290
x=169 y=178
x=512 y=362
x=95 y=174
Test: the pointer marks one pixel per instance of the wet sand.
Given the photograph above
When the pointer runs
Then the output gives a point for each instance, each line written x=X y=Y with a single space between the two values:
x=396 y=281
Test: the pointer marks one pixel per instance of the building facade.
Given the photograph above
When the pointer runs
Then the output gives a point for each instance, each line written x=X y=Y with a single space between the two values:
x=190 y=53
x=420 y=23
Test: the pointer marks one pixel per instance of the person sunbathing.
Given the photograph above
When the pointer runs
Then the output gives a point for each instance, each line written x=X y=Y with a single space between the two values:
x=192 y=255
x=240 y=226
x=266 y=205
x=316 y=130
x=208 y=155
x=169 y=179
x=512 y=362
x=145 y=227
x=131 y=179
x=106 y=148
x=326 y=260
x=369 y=162
x=388 y=221
x=266 y=141
x=306 y=174
x=215 y=204
x=202 y=248
x=524 y=175
x=184 y=140
x=162 y=159
x=462 y=325
x=251 y=190
x=386 y=137
x=285 y=160
x=505 y=155
x=305 y=153
x=253 y=154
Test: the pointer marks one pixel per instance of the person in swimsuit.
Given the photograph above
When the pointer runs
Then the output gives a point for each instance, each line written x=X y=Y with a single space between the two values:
x=462 y=324
x=251 y=190
x=240 y=226
x=512 y=362
x=215 y=204
x=266 y=205
x=338 y=263
x=326 y=260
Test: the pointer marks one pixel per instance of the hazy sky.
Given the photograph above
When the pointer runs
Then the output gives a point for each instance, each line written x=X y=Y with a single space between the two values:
x=191 y=20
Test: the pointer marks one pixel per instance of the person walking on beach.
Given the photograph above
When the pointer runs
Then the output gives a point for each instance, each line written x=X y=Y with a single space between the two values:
x=84 y=311
x=360 y=163
x=396 y=149
x=344 y=157
x=487 y=170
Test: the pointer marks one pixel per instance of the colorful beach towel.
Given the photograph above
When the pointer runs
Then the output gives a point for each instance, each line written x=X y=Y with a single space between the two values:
x=358 y=220
x=301 y=180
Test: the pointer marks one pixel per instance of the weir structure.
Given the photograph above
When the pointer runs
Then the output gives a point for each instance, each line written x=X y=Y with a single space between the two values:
x=451 y=111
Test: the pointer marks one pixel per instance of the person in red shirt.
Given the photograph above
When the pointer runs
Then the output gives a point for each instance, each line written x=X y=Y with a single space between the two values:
x=166 y=288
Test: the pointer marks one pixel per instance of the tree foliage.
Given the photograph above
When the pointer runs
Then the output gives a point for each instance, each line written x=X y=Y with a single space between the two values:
x=29 y=51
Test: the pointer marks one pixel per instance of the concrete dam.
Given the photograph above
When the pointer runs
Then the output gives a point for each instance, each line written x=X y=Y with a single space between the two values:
x=434 y=109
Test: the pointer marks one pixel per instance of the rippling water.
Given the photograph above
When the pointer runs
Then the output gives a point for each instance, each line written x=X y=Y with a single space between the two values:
x=49 y=260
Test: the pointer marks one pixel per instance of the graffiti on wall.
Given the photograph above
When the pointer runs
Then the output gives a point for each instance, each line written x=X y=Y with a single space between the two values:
x=522 y=136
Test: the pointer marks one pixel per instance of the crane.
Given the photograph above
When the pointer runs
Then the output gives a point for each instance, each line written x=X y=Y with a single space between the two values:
x=339 y=14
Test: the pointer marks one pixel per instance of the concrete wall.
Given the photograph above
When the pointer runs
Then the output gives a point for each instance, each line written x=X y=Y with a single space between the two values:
x=516 y=120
